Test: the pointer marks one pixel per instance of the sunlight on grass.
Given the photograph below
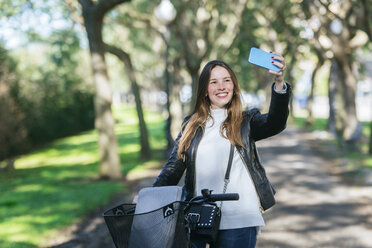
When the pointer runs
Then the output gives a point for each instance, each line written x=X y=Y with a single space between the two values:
x=19 y=231
x=319 y=123
x=130 y=148
x=58 y=185
x=77 y=149
x=29 y=188
x=369 y=162
x=148 y=165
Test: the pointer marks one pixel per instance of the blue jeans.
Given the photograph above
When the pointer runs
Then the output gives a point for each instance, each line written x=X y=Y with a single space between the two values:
x=231 y=238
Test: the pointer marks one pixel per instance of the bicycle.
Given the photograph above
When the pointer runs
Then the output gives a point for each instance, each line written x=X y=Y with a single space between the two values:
x=166 y=227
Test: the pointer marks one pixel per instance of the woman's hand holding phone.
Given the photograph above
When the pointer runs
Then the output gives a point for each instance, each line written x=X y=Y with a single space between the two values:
x=279 y=61
x=273 y=62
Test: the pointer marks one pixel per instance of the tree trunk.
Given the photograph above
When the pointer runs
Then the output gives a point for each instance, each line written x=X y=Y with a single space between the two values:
x=168 y=124
x=144 y=138
x=176 y=106
x=349 y=125
x=195 y=80
x=332 y=88
x=343 y=120
x=176 y=111
x=309 y=107
x=291 y=78
x=10 y=164
x=109 y=166
x=370 y=139
x=310 y=117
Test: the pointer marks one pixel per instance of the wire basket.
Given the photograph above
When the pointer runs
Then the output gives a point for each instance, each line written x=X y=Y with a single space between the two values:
x=161 y=228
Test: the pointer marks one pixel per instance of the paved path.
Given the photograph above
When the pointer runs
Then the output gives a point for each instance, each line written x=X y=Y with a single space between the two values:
x=314 y=208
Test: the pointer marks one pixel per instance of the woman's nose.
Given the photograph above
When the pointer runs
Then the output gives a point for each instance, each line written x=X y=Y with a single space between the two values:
x=221 y=85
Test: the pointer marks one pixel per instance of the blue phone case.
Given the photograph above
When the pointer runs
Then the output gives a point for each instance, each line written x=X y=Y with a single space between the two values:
x=262 y=58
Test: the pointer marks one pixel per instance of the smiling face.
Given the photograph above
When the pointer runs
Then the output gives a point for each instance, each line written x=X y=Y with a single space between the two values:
x=220 y=88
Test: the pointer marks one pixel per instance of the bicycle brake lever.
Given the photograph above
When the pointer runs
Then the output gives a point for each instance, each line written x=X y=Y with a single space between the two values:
x=206 y=193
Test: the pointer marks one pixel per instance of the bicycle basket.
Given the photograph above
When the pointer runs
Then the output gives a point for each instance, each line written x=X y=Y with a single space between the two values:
x=161 y=228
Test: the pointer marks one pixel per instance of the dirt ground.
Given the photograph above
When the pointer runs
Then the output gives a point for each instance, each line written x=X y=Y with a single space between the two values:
x=319 y=203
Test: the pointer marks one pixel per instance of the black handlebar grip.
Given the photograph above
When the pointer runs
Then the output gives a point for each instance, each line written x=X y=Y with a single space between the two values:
x=224 y=197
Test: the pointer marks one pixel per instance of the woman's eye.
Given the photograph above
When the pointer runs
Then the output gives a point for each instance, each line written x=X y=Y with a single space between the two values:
x=212 y=82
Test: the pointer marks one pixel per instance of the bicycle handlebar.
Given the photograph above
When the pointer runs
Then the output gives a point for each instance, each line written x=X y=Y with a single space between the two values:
x=217 y=197
x=225 y=197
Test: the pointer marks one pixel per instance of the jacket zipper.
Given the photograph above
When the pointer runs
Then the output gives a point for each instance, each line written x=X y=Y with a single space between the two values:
x=259 y=201
x=255 y=157
x=194 y=157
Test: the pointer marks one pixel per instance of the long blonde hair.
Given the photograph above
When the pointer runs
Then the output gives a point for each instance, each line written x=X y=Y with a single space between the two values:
x=202 y=111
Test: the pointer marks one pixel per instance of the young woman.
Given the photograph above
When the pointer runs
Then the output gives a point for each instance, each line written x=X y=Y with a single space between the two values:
x=203 y=145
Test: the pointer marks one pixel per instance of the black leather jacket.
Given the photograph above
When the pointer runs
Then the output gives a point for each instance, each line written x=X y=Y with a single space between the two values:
x=255 y=126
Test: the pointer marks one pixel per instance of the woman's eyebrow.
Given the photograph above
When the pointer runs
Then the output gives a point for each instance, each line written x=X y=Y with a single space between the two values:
x=216 y=79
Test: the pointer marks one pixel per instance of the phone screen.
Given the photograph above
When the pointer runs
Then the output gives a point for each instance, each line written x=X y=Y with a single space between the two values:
x=262 y=59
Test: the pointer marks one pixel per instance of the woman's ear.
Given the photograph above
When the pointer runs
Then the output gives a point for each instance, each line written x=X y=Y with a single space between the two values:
x=207 y=99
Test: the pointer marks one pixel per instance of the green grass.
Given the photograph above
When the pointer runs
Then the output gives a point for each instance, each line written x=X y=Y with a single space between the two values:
x=58 y=185
x=319 y=123
x=357 y=158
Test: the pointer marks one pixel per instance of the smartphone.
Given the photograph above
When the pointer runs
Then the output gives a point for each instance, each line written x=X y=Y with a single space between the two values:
x=262 y=59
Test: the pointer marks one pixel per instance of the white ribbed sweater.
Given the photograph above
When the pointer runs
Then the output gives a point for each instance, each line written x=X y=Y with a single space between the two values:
x=211 y=162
